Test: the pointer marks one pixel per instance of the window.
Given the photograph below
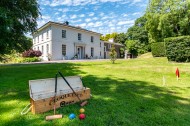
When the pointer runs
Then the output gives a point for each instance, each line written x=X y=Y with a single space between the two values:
x=42 y=36
x=79 y=36
x=104 y=48
x=64 y=50
x=34 y=40
x=100 y=54
x=92 y=38
x=38 y=39
x=63 y=33
x=109 y=46
x=92 y=52
x=47 y=48
x=100 y=44
x=42 y=50
x=47 y=34
x=38 y=48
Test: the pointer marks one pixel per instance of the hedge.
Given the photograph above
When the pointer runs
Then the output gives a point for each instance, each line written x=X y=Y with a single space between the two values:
x=178 y=48
x=158 y=49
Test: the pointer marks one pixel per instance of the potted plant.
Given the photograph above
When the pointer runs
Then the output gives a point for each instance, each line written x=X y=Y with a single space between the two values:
x=49 y=57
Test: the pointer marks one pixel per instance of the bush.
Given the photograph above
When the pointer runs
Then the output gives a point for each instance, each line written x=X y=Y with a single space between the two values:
x=33 y=59
x=158 y=49
x=31 y=53
x=178 y=48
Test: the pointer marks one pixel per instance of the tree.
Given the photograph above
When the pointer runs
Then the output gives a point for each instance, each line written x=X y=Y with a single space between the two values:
x=167 y=18
x=121 y=38
x=113 y=54
x=139 y=35
x=24 y=43
x=132 y=46
x=108 y=36
x=17 y=17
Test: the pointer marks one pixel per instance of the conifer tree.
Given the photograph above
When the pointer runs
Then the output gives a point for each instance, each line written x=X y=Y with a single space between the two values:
x=113 y=54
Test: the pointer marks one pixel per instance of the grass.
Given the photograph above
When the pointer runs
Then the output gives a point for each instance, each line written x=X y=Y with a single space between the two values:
x=128 y=93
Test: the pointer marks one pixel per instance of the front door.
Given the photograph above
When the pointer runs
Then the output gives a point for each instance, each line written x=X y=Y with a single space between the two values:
x=79 y=52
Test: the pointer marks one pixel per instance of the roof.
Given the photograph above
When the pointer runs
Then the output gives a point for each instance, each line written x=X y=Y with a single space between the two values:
x=65 y=25
x=113 y=43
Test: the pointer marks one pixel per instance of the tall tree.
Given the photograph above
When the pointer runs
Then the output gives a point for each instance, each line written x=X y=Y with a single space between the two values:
x=113 y=54
x=121 y=38
x=167 y=18
x=17 y=17
x=139 y=35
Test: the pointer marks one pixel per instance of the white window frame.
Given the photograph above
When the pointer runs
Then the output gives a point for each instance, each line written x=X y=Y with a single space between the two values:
x=79 y=36
x=92 y=38
x=64 y=34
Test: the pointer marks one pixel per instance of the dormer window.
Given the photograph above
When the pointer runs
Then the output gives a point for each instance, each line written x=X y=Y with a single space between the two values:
x=79 y=36
x=63 y=33
x=92 y=38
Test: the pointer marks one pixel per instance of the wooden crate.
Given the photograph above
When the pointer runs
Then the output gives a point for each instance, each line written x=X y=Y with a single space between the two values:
x=42 y=93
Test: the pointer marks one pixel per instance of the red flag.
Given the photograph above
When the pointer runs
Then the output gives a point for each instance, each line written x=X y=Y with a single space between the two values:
x=177 y=72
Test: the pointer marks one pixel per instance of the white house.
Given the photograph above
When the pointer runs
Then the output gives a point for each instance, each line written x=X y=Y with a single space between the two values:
x=60 y=41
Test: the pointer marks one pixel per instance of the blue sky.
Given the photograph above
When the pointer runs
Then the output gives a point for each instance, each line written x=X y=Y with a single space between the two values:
x=102 y=16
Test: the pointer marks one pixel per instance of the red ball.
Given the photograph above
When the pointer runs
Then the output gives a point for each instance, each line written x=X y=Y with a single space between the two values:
x=82 y=116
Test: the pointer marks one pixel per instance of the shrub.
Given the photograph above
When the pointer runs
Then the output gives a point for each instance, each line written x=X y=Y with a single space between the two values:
x=158 y=49
x=113 y=54
x=122 y=52
x=29 y=59
x=31 y=53
x=178 y=48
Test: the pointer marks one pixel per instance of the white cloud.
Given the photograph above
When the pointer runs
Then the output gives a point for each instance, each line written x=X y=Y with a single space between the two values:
x=83 y=25
x=101 y=14
x=124 y=15
x=41 y=22
x=60 y=2
x=74 y=21
x=105 y=17
x=90 y=24
x=95 y=18
x=75 y=2
x=82 y=15
x=56 y=13
x=46 y=17
x=136 y=13
x=135 y=2
x=91 y=14
x=96 y=8
x=97 y=24
x=110 y=24
x=88 y=20
x=128 y=22
x=73 y=16
x=54 y=3
x=65 y=10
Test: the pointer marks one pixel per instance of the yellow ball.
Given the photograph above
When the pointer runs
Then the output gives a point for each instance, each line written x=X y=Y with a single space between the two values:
x=81 y=110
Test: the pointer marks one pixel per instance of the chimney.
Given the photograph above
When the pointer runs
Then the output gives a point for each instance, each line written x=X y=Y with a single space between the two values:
x=66 y=23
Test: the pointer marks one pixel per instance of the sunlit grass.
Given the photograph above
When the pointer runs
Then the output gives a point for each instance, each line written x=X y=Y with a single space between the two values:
x=130 y=92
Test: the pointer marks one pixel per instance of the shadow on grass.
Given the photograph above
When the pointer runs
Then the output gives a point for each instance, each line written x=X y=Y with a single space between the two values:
x=115 y=102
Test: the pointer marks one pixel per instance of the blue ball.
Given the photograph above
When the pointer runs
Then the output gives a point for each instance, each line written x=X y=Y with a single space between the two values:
x=72 y=116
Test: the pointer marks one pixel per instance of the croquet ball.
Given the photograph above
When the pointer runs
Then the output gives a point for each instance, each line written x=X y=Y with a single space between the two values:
x=82 y=116
x=72 y=116
x=81 y=110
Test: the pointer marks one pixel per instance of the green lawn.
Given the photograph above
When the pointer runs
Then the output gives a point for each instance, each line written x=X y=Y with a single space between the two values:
x=128 y=93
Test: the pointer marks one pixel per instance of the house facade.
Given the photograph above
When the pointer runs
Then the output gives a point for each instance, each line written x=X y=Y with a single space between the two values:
x=58 y=41
x=107 y=47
